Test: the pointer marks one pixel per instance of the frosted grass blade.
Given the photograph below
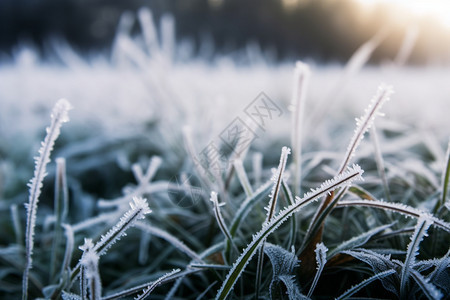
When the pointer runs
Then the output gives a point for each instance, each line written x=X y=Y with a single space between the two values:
x=364 y=283
x=321 y=259
x=413 y=248
x=444 y=181
x=397 y=207
x=301 y=81
x=278 y=180
x=59 y=116
x=154 y=284
x=268 y=228
x=219 y=218
x=61 y=207
x=365 y=122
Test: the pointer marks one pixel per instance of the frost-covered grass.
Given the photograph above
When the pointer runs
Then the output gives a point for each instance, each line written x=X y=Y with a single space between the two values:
x=144 y=124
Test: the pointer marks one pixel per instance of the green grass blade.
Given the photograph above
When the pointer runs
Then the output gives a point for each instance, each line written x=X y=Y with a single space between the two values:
x=429 y=290
x=413 y=248
x=278 y=180
x=154 y=284
x=61 y=209
x=317 y=223
x=364 y=283
x=290 y=200
x=220 y=220
x=69 y=248
x=139 y=288
x=396 y=207
x=18 y=232
x=169 y=238
x=247 y=205
x=445 y=181
x=268 y=228
x=359 y=240
x=321 y=259
x=380 y=162
x=244 y=209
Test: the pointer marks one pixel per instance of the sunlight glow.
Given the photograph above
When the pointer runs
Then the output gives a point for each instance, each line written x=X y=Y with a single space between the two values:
x=439 y=9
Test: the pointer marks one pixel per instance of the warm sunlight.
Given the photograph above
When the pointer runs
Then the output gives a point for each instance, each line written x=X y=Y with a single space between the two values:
x=440 y=9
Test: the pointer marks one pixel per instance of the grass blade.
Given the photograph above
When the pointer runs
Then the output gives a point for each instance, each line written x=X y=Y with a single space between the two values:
x=70 y=296
x=359 y=240
x=444 y=181
x=397 y=207
x=157 y=282
x=380 y=163
x=321 y=258
x=88 y=245
x=149 y=34
x=89 y=262
x=69 y=248
x=257 y=160
x=301 y=79
x=362 y=125
x=16 y=224
x=364 y=283
x=413 y=248
x=312 y=231
x=328 y=186
x=429 y=290
x=169 y=238
x=219 y=218
x=59 y=116
x=283 y=264
x=290 y=201
x=139 y=208
x=365 y=122
x=278 y=179
x=61 y=209
x=137 y=289
x=244 y=209
x=243 y=179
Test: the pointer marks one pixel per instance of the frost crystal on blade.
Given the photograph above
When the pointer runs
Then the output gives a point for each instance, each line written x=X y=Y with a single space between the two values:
x=240 y=264
x=59 y=116
x=139 y=208
x=277 y=178
x=365 y=122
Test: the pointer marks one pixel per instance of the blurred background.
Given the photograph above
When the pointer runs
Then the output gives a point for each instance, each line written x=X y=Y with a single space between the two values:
x=323 y=30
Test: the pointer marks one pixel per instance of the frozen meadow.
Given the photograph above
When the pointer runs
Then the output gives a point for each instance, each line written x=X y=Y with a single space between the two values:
x=145 y=113
x=114 y=98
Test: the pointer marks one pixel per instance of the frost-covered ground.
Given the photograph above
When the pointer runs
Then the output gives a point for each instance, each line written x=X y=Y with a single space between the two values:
x=117 y=98
x=111 y=97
